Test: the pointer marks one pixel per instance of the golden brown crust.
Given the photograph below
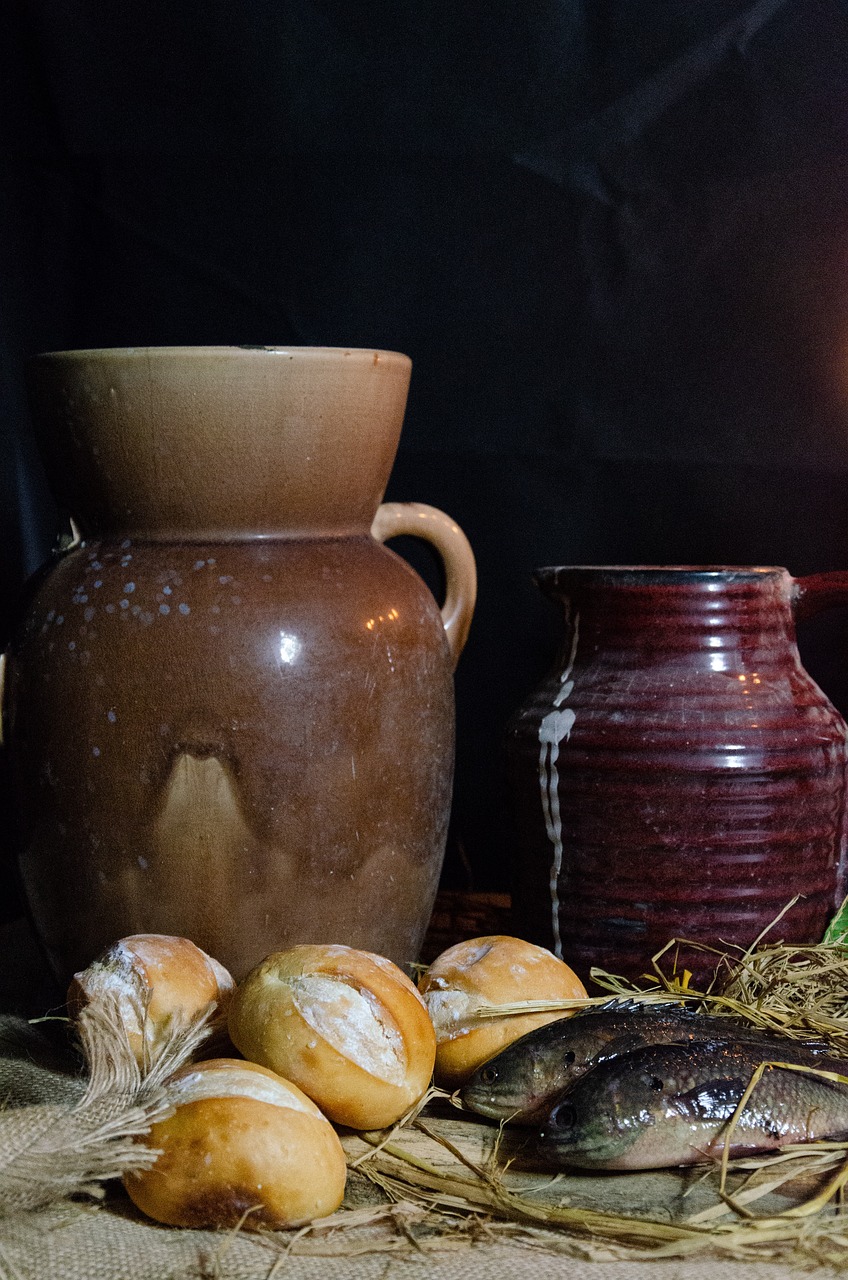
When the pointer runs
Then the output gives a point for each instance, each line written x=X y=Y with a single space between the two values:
x=497 y=969
x=157 y=980
x=347 y=1026
x=224 y=1157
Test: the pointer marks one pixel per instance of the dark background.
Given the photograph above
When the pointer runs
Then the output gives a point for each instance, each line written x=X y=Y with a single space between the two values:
x=612 y=236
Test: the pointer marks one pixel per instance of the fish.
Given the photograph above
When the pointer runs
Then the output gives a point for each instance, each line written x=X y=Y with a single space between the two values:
x=667 y=1105
x=520 y=1084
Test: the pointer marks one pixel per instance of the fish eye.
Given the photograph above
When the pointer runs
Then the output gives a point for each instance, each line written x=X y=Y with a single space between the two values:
x=564 y=1116
x=568 y=1057
x=656 y=1084
x=489 y=1075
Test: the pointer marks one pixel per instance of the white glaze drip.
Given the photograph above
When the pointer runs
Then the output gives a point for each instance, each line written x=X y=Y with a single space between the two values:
x=555 y=729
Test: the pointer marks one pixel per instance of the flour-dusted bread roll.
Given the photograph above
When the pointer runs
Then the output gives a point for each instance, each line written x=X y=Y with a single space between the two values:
x=241 y=1145
x=347 y=1026
x=489 y=971
x=159 y=983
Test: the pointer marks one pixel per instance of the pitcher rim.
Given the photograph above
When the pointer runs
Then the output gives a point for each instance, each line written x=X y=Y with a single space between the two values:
x=237 y=350
x=702 y=570
x=549 y=578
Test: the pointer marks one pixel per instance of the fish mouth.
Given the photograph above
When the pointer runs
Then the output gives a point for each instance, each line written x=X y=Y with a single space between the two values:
x=558 y=1142
x=492 y=1109
x=583 y=1151
x=575 y=1153
x=487 y=1109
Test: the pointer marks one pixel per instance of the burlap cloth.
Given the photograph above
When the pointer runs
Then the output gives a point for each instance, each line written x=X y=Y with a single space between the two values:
x=109 y=1240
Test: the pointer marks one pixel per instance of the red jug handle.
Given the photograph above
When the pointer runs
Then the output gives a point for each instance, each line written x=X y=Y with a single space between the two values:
x=819 y=591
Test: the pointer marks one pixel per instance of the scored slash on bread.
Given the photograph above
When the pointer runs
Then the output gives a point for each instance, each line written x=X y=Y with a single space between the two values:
x=347 y=1026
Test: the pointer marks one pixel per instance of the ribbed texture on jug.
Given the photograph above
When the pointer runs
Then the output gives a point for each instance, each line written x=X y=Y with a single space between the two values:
x=678 y=774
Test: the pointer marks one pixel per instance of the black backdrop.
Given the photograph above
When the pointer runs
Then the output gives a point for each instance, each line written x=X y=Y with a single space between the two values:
x=612 y=235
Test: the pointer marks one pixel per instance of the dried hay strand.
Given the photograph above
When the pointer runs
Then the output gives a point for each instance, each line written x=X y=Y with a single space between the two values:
x=795 y=989
x=799 y=991
x=479 y=1191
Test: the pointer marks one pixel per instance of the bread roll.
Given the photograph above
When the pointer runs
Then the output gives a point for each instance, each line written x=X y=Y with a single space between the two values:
x=347 y=1026
x=489 y=971
x=240 y=1143
x=158 y=981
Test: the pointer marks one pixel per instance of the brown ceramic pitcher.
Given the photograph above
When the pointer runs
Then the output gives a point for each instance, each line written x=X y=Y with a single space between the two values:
x=678 y=774
x=229 y=708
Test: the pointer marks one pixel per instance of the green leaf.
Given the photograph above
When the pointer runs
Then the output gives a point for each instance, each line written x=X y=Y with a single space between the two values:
x=837 y=930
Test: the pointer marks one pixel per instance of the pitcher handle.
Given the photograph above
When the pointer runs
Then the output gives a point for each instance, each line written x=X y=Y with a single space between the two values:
x=819 y=591
x=431 y=524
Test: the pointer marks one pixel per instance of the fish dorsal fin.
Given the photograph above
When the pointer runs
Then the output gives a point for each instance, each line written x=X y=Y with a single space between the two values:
x=615 y=1005
x=628 y=1004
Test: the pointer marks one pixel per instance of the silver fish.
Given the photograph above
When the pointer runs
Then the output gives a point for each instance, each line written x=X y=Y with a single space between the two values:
x=667 y=1105
x=521 y=1083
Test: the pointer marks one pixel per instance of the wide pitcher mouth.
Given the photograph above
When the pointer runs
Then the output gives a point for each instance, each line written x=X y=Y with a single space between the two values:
x=674 y=570
x=245 y=351
x=206 y=442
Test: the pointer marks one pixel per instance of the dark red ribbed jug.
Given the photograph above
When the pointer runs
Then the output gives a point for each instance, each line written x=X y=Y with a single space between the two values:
x=678 y=773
